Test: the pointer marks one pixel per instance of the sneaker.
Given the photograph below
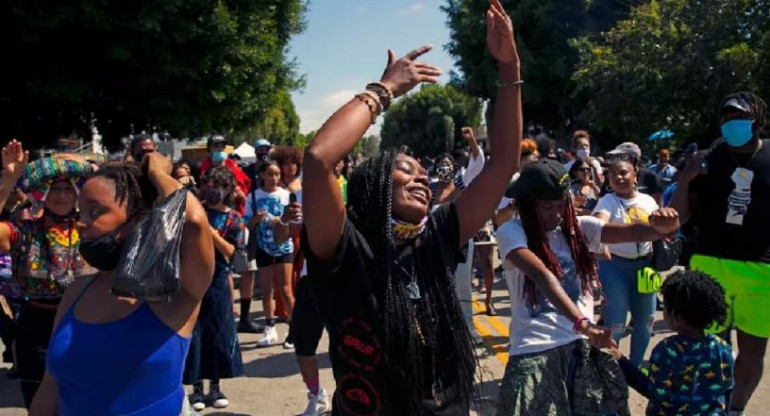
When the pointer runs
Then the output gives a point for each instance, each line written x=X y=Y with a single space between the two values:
x=246 y=327
x=271 y=336
x=197 y=402
x=317 y=405
x=218 y=400
x=288 y=345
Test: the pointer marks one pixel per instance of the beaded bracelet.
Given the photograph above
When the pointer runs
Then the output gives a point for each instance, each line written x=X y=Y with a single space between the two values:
x=382 y=91
x=373 y=108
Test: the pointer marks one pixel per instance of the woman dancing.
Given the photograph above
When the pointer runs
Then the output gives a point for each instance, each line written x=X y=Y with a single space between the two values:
x=382 y=271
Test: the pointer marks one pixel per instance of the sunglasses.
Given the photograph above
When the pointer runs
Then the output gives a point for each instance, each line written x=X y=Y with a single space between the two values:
x=584 y=169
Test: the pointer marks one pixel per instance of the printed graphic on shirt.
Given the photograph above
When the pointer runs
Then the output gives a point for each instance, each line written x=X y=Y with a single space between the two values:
x=636 y=215
x=569 y=281
x=739 y=200
x=360 y=346
x=358 y=396
x=690 y=376
x=265 y=236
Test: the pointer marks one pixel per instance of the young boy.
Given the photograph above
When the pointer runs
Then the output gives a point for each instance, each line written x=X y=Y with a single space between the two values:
x=691 y=373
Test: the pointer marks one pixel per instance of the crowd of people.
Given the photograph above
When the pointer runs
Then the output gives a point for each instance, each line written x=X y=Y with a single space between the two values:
x=368 y=251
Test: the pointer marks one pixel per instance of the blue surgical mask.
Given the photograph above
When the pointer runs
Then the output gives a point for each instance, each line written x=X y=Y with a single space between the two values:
x=737 y=132
x=218 y=157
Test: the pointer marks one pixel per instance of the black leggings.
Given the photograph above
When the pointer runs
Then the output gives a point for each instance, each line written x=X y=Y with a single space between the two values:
x=306 y=327
x=34 y=333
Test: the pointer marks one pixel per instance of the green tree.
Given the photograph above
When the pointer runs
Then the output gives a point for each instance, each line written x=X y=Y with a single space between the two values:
x=188 y=67
x=368 y=145
x=670 y=63
x=421 y=120
x=543 y=30
x=280 y=125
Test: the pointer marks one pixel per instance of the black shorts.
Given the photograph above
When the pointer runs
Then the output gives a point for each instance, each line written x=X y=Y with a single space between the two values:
x=306 y=327
x=266 y=260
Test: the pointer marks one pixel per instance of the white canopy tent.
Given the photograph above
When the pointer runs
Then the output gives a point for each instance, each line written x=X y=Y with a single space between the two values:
x=246 y=152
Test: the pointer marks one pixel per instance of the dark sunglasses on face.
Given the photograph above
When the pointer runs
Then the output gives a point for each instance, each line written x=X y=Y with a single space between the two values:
x=584 y=169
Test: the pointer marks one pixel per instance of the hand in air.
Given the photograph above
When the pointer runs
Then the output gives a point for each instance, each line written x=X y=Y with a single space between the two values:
x=15 y=159
x=500 y=40
x=665 y=221
x=402 y=75
x=156 y=164
x=467 y=133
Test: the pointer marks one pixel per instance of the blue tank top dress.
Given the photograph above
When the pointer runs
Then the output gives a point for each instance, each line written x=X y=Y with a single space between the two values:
x=132 y=366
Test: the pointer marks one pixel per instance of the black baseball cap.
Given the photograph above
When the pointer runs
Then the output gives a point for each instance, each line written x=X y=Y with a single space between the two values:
x=545 y=179
x=215 y=139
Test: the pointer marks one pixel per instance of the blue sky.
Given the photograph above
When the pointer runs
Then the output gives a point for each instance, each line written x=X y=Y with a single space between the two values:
x=345 y=47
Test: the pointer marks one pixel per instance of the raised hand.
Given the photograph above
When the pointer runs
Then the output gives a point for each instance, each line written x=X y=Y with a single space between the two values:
x=402 y=75
x=15 y=159
x=156 y=164
x=500 y=39
x=665 y=221
x=467 y=133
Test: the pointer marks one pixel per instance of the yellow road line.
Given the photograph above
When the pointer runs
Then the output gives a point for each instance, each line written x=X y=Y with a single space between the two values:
x=499 y=326
x=497 y=343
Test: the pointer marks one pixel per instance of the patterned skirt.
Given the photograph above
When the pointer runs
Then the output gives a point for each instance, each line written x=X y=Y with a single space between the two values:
x=570 y=380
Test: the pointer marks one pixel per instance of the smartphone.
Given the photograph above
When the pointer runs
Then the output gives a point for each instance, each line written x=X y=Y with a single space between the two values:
x=292 y=200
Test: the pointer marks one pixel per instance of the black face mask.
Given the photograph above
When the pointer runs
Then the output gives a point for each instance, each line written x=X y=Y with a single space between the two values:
x=103 y=252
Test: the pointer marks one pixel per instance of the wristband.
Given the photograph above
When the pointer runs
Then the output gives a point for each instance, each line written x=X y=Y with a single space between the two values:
x=576 y=325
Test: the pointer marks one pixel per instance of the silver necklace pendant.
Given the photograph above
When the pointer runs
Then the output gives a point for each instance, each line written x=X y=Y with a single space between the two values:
x=413 y=291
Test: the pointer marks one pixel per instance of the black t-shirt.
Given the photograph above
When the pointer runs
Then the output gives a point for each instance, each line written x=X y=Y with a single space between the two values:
x=723 y=191
x=253 y=173
x=346 y=294
x=648 y=182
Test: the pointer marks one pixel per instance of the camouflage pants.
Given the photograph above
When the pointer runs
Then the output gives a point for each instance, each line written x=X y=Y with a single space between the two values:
x=570 y=380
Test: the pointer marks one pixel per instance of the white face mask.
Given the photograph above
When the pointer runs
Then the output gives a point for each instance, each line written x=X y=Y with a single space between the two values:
x=583 y=154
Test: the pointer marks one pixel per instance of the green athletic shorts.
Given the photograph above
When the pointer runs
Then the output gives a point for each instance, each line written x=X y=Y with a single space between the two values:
x=747 y=291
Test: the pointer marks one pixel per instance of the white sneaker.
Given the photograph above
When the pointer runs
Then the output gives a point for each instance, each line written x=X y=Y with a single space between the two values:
x=317 y=405
x=288 y=345
x=271 y=336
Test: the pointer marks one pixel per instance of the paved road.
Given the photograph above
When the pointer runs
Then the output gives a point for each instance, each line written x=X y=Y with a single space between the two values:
x=272 y=385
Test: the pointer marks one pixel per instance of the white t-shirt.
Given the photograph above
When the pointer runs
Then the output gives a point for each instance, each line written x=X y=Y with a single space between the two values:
x=273 y=203
x=506 y=201
x=636 y=210
x=539 y=327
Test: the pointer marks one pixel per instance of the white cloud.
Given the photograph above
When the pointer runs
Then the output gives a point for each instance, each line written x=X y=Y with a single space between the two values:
x=338 y=98
x=312 y=119
x=415 y=8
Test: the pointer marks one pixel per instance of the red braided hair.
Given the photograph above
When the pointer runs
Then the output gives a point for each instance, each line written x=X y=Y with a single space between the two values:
x=537 y=241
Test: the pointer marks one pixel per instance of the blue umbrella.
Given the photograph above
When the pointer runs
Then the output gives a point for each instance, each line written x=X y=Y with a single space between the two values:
x=661 y=135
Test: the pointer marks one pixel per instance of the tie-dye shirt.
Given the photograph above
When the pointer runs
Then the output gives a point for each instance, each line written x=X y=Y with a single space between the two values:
x=46 y=259
x=686 y=377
